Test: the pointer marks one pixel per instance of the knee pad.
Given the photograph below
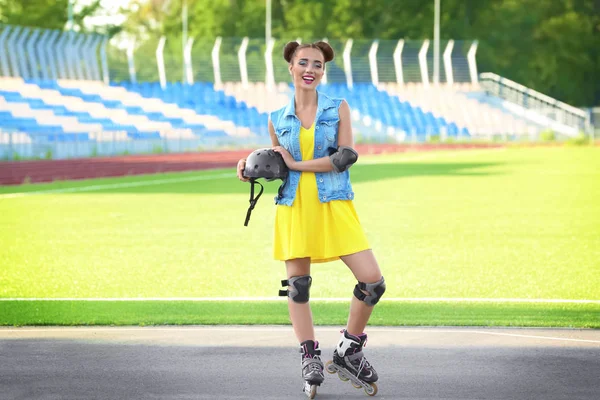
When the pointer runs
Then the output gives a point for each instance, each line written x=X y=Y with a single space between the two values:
x=300 y=287
x=375 y=291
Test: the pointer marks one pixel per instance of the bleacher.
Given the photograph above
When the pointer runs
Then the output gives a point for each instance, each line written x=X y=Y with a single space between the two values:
x=139 y=110
x=75 y=111
x=256 y=94
x=466 y=105
x=373 y=106
x=211 y=107
x=61 y=105
x=132 y=116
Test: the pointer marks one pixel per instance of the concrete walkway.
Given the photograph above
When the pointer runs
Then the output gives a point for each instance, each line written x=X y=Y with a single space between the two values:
x=240 y=362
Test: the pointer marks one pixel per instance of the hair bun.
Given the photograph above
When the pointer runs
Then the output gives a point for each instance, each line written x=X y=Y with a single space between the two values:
x=289 y=50
x=326 y=49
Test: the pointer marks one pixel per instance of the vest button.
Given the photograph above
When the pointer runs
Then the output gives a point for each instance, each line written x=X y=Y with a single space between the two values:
x=319 y=147
x=317 y=127
x=324 y=197
x=321 y=180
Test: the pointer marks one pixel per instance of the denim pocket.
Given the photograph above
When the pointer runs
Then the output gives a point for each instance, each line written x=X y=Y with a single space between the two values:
x=329 y=131
x=283 y=137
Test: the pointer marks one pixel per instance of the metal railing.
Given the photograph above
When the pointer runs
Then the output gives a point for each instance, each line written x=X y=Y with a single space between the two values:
x=252 y=60
x=46 y=54
x=32 y=53
x=542 y=104
x=17 y=146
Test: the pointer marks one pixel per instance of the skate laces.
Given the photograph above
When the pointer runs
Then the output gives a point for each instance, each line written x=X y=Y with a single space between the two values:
x=310 y=356
x=364 y=364
x=313 y=363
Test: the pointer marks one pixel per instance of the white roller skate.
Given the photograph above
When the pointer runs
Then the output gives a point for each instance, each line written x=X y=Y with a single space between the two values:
x=350 y=363
x=312 y=367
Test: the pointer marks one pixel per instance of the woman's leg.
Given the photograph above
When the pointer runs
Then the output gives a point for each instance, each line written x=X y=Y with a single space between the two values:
x=298 y=273
x=365 y=269
x=300 y=313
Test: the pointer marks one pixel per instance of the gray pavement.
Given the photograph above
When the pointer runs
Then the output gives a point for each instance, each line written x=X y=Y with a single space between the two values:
x=263 y=363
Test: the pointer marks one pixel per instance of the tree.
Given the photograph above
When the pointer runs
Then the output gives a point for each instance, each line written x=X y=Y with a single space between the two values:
x=552 y=46
x=51 y=15
x=34 y=13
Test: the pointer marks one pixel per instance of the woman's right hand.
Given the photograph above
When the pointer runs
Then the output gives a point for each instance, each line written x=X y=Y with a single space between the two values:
x=240 y=170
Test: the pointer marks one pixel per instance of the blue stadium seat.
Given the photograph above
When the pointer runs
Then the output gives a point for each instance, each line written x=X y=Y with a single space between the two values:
x=204 y=99
x=144 y=135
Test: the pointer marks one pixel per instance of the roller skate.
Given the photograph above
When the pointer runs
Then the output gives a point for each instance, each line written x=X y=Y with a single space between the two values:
x=312 y=367
x=350 y=363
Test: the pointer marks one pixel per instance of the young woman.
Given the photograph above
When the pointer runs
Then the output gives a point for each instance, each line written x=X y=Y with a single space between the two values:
x=315 y=217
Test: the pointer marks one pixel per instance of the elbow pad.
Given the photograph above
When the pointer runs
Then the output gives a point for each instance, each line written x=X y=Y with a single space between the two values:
x=343 y=158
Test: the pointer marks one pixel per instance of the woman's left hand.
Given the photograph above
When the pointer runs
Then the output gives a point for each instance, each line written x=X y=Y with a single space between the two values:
x=287 y=157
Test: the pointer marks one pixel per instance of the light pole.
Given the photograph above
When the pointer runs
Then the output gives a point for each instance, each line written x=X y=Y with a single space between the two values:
x=268 y=23
x=436 y=43
x=184 y=21
x=184 y=34
x=70 y=14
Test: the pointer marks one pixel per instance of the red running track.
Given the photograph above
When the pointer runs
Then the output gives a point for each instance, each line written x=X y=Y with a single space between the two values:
x=19 y=172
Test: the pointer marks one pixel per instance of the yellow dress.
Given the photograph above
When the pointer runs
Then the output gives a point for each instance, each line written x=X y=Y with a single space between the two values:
x=309 y=228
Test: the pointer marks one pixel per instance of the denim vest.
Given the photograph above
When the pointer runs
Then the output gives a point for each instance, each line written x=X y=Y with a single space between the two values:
x=331 y=185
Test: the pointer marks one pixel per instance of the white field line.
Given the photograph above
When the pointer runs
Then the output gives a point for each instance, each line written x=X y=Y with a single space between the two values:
x=317 y=299
x=415 y=156
x=237 y=328
x=166 y=181
x=535 y=337
x=119 y=185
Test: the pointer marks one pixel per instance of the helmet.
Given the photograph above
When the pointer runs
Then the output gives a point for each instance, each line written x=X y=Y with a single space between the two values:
x=265 y=163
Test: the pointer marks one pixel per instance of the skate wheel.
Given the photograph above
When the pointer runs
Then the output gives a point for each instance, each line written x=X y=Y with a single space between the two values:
x=310 y=390
x=356 y=385
x=313 y=392
x=329 y=367
x=371 y=390
x=342 y=377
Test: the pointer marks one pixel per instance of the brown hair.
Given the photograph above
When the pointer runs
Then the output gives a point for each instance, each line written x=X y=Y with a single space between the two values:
x=291 y=47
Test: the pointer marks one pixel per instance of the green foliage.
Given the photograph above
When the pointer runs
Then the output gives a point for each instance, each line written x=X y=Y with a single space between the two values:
x=552 y=46
x=434 y=139
x=51 y=14
x=580 y=140
x=34 y=13
x=548 y=136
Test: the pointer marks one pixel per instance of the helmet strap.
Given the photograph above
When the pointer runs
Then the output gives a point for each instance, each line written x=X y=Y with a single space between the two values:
x=280 y=190
x=253 y=200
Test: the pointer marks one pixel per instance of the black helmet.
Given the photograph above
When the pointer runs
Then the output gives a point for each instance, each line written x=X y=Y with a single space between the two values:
x=267 y=164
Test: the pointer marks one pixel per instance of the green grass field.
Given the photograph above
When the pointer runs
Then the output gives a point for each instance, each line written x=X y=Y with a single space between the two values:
x=519 y=223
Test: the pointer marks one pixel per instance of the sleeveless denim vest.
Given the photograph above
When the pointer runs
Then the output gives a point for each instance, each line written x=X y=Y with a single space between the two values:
x=331 y=185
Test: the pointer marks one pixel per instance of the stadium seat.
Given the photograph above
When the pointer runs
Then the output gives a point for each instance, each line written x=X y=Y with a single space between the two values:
x=146 y=111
